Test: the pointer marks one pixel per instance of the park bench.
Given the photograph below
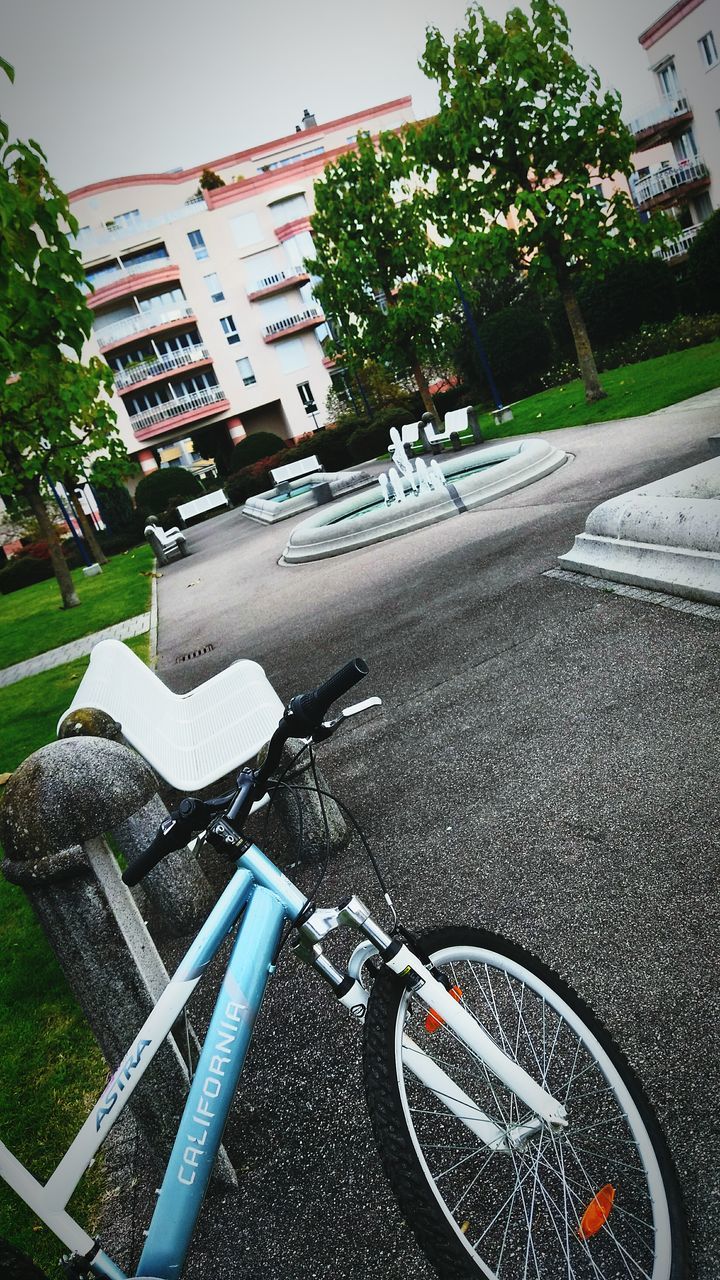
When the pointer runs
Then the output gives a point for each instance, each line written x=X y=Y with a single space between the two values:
x=190 y=739
x=407 y=435
x=281 y=476
x=166 y=543
x=456 y=421
x=199 y=506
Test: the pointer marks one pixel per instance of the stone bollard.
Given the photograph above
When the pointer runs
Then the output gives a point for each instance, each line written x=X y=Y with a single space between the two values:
x=176 y=896
x=55 y=807
x=300 y=811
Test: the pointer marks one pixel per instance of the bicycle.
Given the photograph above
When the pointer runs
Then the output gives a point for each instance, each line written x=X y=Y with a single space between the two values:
x=514 y=1133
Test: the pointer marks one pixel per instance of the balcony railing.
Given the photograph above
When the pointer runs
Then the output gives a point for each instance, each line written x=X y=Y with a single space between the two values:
x=132 y=269
x=120 y=230
x=289 y=322
x=112 y=333
x=175 y=408
x=668 y=180
x=155 y=366
x=678 y=247
x=664 y=112
x=279 y=277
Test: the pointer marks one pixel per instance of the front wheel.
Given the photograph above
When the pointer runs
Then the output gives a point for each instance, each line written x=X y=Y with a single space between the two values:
x=597 y=1201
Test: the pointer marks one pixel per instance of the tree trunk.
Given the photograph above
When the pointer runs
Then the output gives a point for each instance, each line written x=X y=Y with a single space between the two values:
x=60 y=567
x=422 y=386
x=86 y=524
x=584 y=351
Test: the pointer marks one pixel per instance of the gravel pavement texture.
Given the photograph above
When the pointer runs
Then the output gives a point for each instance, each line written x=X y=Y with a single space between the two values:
x=545 y=762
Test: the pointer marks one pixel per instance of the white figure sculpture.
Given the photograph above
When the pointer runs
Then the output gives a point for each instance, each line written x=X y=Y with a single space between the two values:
x=423 y=477
x=385 y=488
x=400 y=458
x=437 y=474
x=397 y=485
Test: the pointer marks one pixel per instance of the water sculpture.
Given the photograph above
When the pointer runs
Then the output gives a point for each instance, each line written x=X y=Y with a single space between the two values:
x=422 y=479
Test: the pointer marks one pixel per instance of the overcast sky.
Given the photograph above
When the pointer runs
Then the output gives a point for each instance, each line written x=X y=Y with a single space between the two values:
x=150 y=85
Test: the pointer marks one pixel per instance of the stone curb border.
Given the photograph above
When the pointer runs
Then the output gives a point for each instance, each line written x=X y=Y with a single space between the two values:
x=709 y=611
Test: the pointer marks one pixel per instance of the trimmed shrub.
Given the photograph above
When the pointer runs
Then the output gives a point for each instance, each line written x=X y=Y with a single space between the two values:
x=170 y=484
x=263 y=444
x=634 y=292
x=661 y=339
x=116 y=507
x=702 y=269
x=34 y=565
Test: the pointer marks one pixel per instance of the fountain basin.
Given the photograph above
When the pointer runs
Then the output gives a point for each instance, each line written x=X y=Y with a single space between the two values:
x=302 y=494
x=473 y=479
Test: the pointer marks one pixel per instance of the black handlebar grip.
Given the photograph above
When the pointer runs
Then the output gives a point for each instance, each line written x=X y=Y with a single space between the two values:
x=308 y=709
x=173 y=833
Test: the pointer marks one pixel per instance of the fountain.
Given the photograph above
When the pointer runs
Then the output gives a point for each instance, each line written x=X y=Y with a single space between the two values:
x=294 y=496
x=413 y=494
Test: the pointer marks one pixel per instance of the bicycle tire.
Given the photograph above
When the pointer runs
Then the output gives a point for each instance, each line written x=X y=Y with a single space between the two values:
x=493 y=1215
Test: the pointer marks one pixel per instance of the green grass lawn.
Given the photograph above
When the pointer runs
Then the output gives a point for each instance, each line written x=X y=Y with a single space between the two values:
x=633 y=390
x=51 y=1071
x=32 y=620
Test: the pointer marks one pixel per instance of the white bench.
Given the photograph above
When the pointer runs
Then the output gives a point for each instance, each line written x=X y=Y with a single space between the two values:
x=293 y=470
x=409 y=434
x=190 y=739
x=455 y=422
x=166 y=543
x=198 y=506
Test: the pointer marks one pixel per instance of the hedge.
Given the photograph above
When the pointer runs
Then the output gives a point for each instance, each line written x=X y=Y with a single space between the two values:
x=169 y=484
x=263 y=444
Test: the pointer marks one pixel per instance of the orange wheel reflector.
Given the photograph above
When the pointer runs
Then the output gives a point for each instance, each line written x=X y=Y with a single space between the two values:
x=433 y=1021
x=597 y=1212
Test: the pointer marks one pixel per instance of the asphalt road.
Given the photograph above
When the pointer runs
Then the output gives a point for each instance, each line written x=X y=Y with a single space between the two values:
x=545 y=762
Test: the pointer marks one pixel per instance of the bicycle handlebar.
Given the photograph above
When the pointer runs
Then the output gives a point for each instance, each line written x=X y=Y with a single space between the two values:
x=304 y=715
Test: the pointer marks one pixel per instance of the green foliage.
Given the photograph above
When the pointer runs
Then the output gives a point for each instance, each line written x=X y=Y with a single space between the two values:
x=523 y=136
x=518 y=345
x=702 y=269
x=371 y=441
x=262 y=444
x=156 y=490
x=210 y=181
x=379 y=280
x=634 y=291
x=660 y=339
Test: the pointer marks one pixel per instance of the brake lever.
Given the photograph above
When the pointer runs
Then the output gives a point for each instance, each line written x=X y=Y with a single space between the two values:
x=328 y=727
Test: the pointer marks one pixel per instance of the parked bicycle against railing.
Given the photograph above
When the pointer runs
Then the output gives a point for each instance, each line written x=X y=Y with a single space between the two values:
x=514 y=1134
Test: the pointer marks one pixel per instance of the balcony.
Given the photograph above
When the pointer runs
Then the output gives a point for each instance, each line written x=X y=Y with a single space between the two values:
x=120 y=270
x=664 y=186
x=308 y=319
x=199 y=404
x=113 y=232
x=675 y=250
x=132 y=281
x=278 y=282
x=661 y=123
x=158 y=366
x=113 y=335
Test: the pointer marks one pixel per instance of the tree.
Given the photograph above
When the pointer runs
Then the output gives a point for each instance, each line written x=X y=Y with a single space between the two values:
x=54 y=413
x=378 y=278
x=702 y=269
x=517 y=151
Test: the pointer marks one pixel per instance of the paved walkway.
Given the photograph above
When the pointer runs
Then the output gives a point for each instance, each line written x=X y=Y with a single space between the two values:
x=136 y=626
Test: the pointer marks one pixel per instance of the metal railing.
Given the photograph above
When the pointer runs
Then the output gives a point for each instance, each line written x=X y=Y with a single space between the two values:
x=111 y=333
x=130 y=269
x=679 y=246
x=666 y=109
x=289 y=322
x=669 y=179
x=121 y=230
x=277 y=278
x=154 y=366
x=175 y=408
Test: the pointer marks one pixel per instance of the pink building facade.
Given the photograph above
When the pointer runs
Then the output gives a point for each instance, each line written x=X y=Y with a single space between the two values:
x=202 y=305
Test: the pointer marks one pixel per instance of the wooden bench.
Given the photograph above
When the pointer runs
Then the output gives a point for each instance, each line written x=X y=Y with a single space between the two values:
x=294 y=470
x=166 y=543
x=198 y=506
x=190 y=739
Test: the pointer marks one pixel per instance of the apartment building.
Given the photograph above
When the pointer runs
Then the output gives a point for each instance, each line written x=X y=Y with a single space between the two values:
x=683 y=48
x=201 y=302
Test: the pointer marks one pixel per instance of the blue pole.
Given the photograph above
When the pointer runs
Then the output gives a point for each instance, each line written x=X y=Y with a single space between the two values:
x=478 y=343
x=78 y=541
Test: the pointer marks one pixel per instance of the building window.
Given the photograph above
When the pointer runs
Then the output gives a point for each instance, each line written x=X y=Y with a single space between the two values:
x=228 y=327
x=214 y=287
x=667 y=75
x=708 y=50
x=245 y=370
x=198 y=244
x=288 y=209
x=307 y=397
